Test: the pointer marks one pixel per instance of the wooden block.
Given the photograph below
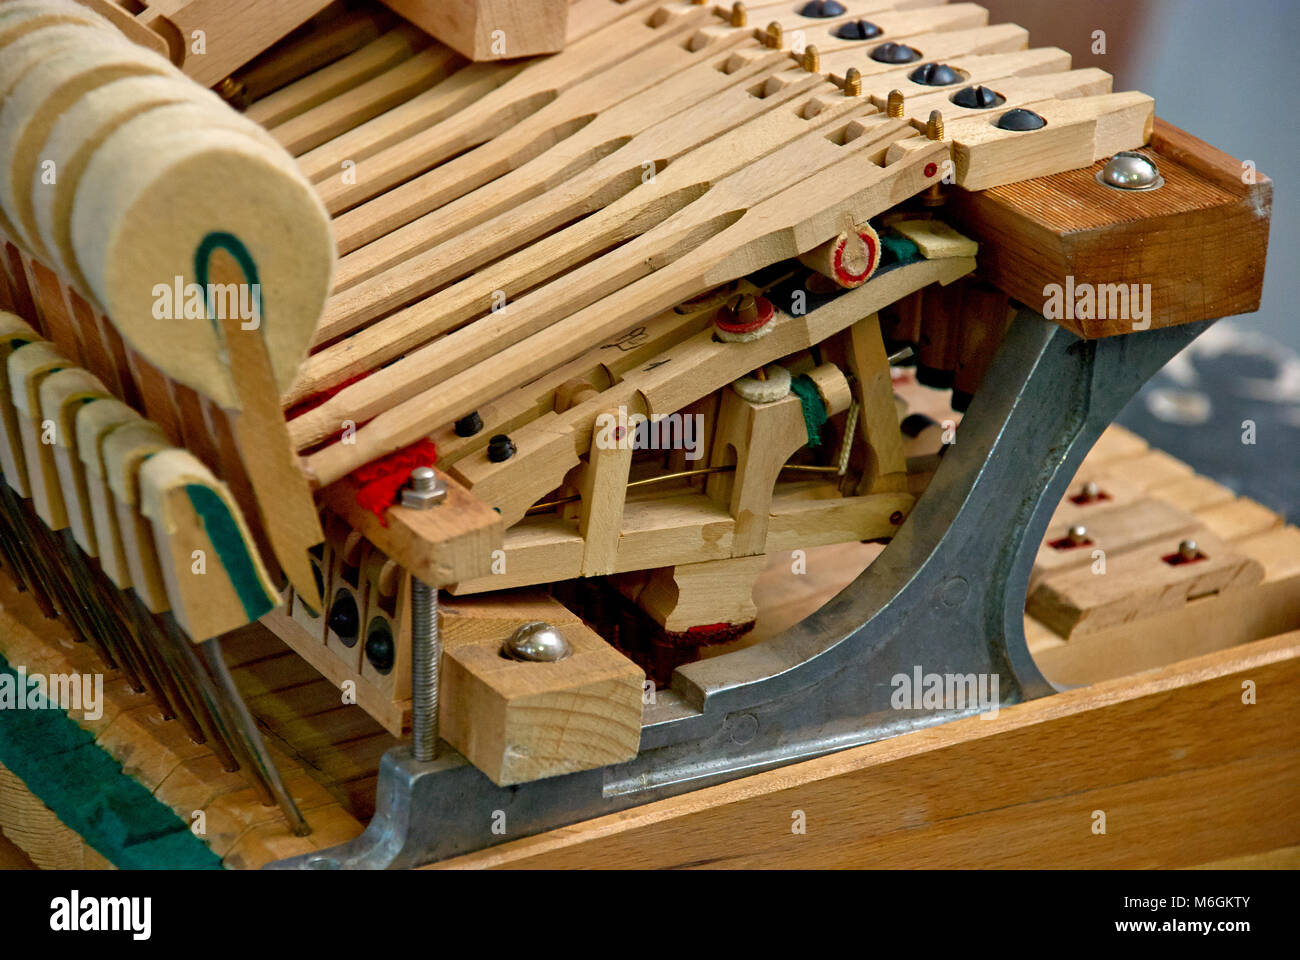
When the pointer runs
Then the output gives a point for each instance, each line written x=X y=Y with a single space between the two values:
x=386 y=626
x=491 y=29
x=1200 y=240
x=1210 y=624
x=447 y=543
x=702 y=594
x=1139 y=583
x=1112 y=531
x=520 y=721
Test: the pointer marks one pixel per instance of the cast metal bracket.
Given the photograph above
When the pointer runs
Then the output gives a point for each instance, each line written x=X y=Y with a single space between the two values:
x=946 y=595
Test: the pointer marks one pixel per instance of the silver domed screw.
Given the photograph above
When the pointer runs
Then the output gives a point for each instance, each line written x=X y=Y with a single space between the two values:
x=539 y=642
x=1189 y=550
x=1129 y=170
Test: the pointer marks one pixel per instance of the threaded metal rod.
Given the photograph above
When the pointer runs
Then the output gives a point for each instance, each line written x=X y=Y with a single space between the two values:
x=426 y=657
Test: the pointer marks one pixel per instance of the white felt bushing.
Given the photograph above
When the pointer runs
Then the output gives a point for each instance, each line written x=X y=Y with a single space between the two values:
x=775 y=387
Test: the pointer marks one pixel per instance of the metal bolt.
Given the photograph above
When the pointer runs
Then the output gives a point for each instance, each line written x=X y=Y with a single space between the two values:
x=900 y=356
x=853 y=82
x=894 y=104
x=858 y=30
x=977 y=98
x=426 y=648
x=1077 y=534
x=894 y=53
x=1129 y=170
x=935 y=75
x=1188 y=550
x=423 y=490
x=1020 y=119
x=539 y=642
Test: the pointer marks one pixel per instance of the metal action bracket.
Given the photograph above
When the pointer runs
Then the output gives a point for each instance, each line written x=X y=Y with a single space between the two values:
x=947 y=595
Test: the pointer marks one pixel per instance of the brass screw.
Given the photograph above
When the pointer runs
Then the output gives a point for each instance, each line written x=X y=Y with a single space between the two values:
x=738 y=15
x=852 y=82
x=232 y=91
x=894 y=105
x=812 y=61
x=934 y=128
x=773 y=38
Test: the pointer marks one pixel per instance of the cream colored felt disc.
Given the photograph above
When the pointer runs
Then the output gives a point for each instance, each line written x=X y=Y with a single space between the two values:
x=28 y=11
x=146 y=206
x=22 y=50
x=34 y=104
x=73 y=140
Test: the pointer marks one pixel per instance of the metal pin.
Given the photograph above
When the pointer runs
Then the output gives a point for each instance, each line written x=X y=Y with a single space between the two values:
x=426 y=647
x=812 y=61
x=1189 y=550
x=900 y=355
x=853 y=82
x=240 y=719
x=1090 y=491
x=738 y=15
x=1077 y=534
x=774 y=37
x=894 y=105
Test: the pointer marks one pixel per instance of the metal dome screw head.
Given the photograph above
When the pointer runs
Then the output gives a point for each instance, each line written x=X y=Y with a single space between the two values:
x=469 y=424
x=822 y=9
x=977 y=98
x=894 y=53
x=500 y=448
x=857 y=30
x=1077 y=534
x=934 y=75
x=1129 y=170
x=1021 y=119
x=539 y=642
x=423 y=489
x=1189 y=550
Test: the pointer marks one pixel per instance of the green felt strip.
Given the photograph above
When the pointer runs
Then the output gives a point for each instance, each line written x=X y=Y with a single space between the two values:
x=225 y=535
x=87 y=789
x=814 y=410
x=896 y=248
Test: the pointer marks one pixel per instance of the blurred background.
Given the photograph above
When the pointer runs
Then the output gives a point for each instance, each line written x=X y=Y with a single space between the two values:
x=1225 y=71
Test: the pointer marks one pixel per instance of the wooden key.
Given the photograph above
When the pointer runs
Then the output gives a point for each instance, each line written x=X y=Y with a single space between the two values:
x=406 y=152
x=724 y=240
x=711 y=209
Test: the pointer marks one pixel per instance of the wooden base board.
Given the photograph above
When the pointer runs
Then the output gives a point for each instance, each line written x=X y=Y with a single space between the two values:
x=1178 y=765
